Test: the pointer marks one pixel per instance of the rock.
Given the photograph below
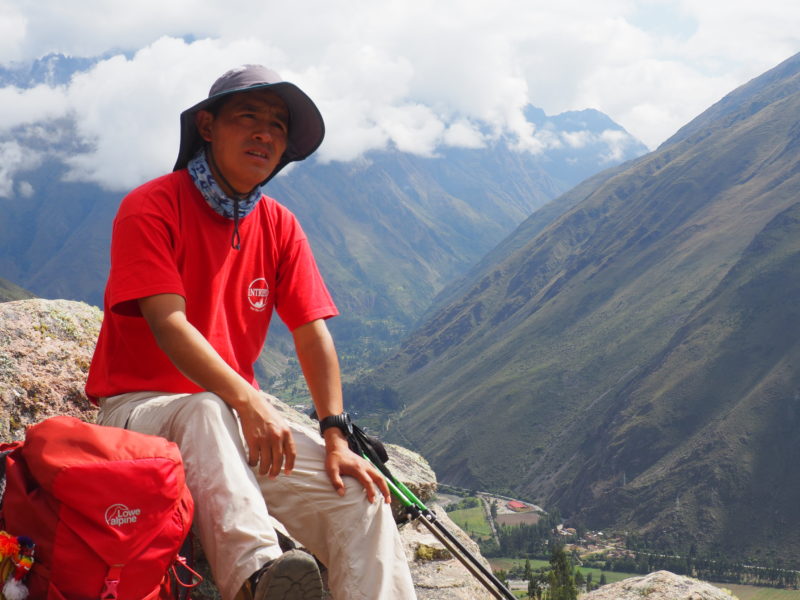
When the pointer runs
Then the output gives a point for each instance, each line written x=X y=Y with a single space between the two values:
x=46 y=347
x=661 y=585
x=437 y=575
x=45 y=350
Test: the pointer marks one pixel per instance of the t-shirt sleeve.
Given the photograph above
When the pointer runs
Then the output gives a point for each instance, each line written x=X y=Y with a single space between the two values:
x=143 y=261
x=301 y=295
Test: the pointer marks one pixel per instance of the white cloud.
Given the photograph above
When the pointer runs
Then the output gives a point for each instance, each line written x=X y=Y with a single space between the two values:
x=415 y=74
x=577 y=139
x=24 y=106
x=652 y=98
x=616 y=141
x=13 y=30
x=412 y=128
x=13 y=158
x=463 y=134
x=25 y=189
x=128 y=109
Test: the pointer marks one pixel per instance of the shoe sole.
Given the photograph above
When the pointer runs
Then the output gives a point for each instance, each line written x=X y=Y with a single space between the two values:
x=293 y=576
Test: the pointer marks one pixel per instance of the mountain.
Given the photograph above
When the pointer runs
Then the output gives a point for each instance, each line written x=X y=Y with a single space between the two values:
x=633 y=360
x=388 y=230
x=55 y=241
x=52 y=69
x=10 y=292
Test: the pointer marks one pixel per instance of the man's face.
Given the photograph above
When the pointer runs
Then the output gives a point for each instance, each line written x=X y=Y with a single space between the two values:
x=247 y=137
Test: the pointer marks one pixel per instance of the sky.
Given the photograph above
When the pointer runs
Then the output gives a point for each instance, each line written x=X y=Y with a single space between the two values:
x=418 y=75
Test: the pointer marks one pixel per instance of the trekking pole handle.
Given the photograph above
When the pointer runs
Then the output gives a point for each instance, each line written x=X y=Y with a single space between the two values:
x=410 y=495
x=398 y=488
x=398 y=493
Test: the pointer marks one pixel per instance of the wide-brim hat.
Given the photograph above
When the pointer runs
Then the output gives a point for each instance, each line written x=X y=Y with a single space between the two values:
x=306 y=127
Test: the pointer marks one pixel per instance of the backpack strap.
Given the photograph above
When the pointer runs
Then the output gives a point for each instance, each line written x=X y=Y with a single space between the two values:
x=5 y=450
x=197 y=579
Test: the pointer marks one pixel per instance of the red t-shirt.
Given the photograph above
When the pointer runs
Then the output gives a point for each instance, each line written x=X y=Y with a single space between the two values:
x=166 y=239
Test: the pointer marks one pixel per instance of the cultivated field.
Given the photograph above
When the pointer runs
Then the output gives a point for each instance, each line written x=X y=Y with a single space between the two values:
x=528 y=518
x=751 y=592
x=742 y=592
x=472 y=521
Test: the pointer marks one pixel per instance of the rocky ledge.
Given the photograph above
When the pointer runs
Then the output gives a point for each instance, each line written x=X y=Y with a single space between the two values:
x=661 y=585
x=45 y=350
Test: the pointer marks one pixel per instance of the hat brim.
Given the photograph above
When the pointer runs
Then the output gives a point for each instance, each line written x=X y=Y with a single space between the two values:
x=306 y=127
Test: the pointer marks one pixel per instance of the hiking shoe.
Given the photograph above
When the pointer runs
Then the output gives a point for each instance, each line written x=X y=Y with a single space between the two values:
x=292 y=576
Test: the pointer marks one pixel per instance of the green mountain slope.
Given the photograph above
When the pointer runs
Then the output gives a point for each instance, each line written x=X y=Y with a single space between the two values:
x=707 y=434
x=10 y=291
x=389 y=232
x=528 y=381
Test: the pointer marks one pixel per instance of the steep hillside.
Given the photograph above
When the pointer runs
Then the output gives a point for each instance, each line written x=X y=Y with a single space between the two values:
x=55 y=241
x=601 y=354
x=10 y=291
x=526 y=231
x=715 y=419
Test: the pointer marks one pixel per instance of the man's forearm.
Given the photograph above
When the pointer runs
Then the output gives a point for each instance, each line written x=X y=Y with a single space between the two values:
x=317 y=356
x=190 y=352
x=267 y=436
x=320 y=363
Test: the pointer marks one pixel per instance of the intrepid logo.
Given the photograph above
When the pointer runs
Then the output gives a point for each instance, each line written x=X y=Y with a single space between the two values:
x=119 y=514
x=257 y=294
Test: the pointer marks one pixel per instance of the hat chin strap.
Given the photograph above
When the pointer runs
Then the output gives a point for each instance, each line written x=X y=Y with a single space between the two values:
x=237 y=195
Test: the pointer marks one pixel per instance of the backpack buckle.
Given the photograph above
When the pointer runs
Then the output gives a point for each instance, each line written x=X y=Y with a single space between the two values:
x=111 y=583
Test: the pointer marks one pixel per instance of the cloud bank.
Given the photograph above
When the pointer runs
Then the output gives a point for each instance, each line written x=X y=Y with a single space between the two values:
x=415 y=75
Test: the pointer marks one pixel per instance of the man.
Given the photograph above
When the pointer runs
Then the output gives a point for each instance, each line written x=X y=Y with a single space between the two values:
x=199 y=259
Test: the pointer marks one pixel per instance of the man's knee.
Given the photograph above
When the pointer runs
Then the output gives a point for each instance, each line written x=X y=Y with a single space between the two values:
x=205 y=414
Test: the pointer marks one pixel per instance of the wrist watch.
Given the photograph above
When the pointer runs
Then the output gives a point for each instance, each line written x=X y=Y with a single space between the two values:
x=341 y=421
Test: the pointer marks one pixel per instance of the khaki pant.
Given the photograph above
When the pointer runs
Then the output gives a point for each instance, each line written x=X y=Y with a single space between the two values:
x=356 y=540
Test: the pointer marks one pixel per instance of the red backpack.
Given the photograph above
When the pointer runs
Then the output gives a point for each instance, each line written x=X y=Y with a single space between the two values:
x=106 y=508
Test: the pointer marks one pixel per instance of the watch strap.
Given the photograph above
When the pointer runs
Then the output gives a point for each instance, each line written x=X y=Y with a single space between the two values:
x=341 y=421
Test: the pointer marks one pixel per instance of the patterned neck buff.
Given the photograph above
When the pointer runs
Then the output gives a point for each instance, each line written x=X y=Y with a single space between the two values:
x=231 y=208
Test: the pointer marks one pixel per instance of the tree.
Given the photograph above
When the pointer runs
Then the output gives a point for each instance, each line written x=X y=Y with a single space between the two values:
x=536 y=586
x=602 y=579
x=528 y=573
x=579 y=580
x=562 y=583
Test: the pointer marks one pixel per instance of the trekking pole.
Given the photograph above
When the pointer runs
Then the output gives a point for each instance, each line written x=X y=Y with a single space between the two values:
x=428 y=519
x=373 y=451
x=417 y=510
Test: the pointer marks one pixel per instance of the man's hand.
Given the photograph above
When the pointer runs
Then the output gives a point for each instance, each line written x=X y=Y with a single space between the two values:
x=269 y=439
x=340 y=460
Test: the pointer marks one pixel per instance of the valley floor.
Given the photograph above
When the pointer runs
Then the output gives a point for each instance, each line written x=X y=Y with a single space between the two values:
x=751 y=592
x=741 y=592
x=478 y=523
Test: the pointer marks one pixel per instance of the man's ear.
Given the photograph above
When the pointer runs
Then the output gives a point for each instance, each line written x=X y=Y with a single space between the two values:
x=203 y=120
